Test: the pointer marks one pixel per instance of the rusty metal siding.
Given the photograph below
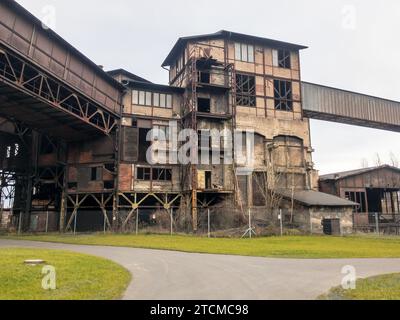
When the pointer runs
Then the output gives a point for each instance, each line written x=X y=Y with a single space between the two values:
x=320 y=100
x=26 y=35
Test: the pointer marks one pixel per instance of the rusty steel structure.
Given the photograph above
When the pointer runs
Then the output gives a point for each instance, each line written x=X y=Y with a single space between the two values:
x=51 y=97
x=200 y=62
x=72 y=136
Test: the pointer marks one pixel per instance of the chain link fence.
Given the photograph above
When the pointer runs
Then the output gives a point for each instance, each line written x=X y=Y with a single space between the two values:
x=216 y=221
x=378 y=223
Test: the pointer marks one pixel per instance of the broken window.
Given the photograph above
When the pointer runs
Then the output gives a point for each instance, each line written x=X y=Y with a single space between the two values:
x=143 y=174
x=281 y=59
x=154 y=174
x=245 y=90
x=204 y=105
x=95 y=174
x=283 y=95
x=161 y=174
x=204 y=77
x=358 y=197
x=144 y=145
x=244 y=52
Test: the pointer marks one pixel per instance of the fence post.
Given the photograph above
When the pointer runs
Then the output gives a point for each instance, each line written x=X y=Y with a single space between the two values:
x=104 y=224
x=137 y=221
x=209 y=223
x=281 y=221
x=20 y=223
x=172 y=217
x=76 y=215
x=377 y=223
x=250 y=226
x=47 y=221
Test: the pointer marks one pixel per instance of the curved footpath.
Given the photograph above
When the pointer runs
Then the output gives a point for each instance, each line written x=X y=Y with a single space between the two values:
x=167 y=275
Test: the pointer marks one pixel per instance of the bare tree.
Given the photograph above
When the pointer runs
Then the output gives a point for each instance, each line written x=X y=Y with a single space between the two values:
x=268 y=183
x=394 y=160
x=364 y=163
x=378 y=160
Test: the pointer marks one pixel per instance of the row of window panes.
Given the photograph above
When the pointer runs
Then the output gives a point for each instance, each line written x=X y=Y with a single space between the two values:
x=147 y=98
x=244 y=52
x=246 y=95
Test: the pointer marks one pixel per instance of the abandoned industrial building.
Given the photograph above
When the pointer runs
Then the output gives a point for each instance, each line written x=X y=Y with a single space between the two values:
x=74 y=138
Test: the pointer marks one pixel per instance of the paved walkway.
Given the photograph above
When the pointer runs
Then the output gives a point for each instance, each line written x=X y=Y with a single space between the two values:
x=174 y=275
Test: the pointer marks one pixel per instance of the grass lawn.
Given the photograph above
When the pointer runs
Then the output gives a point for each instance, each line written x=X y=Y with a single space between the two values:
x=386 y=287
x=78 y=276
x=290 y=246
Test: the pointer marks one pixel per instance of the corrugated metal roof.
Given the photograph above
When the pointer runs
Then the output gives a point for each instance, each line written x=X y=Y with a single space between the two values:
x=346 y=174
x=127 y=74
x=55 y=37
x=228 y=35
x=154 y=86
x=316 y=199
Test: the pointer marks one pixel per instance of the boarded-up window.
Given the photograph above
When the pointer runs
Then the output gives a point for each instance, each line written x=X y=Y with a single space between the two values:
x=130 y=146
x=288 y=152
x=84 y=175
x=290 y=181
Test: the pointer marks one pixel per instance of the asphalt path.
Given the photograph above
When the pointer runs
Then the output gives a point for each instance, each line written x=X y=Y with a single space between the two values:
x=169 y=275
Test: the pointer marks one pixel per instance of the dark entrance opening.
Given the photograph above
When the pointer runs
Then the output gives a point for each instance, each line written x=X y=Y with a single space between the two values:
x=331 y=227
x=144 y=145
x=208 y=180
x=204 y=105
x=374 y=200
x=204 y=77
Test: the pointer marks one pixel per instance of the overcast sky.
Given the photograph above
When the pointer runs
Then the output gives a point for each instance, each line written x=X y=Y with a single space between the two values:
x=354 y=45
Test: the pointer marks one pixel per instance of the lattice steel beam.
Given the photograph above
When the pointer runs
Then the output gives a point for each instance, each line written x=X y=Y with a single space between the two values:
x=23 y=76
